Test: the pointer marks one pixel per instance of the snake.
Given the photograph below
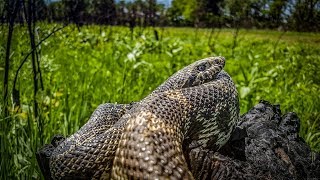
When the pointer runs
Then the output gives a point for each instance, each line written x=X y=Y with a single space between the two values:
x=196 y=106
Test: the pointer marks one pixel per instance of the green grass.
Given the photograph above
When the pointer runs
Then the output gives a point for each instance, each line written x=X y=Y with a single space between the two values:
x=101 y=64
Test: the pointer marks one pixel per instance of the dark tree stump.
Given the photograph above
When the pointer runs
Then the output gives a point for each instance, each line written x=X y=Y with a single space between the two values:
x=264 y=145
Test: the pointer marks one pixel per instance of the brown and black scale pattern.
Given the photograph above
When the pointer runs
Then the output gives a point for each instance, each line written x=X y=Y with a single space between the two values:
x=197 y=106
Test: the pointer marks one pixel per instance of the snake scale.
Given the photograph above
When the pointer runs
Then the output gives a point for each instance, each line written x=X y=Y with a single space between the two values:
x=196 y=106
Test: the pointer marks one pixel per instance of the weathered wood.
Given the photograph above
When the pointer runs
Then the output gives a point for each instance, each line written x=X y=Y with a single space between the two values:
x=265 y=145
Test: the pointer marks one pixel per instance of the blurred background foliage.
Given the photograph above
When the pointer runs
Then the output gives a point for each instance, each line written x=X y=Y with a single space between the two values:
x=297 y=15
x=61 y=59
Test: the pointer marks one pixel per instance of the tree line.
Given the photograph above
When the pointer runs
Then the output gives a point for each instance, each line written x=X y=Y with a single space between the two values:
x=296 y=15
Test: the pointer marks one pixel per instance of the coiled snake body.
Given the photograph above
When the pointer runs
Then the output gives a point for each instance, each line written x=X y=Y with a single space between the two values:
x=197 y=106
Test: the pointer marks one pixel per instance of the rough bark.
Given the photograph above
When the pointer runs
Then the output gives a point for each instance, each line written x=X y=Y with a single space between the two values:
x=264 y=145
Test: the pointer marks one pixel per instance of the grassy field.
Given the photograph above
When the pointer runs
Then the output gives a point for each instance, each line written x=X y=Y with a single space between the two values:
x=98 y=64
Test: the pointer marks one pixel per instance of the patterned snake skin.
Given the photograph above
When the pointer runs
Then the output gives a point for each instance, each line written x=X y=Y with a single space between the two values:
x=197 y=106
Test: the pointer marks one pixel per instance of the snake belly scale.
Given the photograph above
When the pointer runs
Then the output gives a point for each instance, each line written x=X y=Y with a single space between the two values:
x=144 y=140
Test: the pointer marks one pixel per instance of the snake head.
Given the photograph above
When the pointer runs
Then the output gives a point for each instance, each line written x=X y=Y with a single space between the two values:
x=203 y=71
x=199 y=72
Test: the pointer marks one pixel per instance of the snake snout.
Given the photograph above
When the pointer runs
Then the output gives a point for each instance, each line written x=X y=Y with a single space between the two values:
x=216 y=65
x=217 y=62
